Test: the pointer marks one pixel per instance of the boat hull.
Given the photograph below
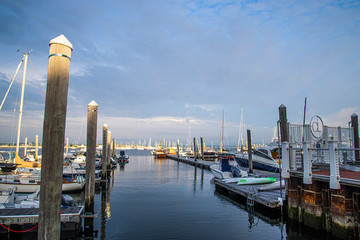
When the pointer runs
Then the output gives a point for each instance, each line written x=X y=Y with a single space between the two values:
x=270 y=166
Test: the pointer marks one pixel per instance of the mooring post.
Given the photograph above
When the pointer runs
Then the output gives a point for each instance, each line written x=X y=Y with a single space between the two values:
x=25 y=147
x=195 y=150
x=334 y=167
x=283 y=124
x=67 y=145
x=250 y=151
x=307 y=159
x=103 y=156
x=36 y=147
x=108 y=155
x=355 y=127
x=90 y=166
x=114 y=148
x=178 y=148
x=53 y=138
x=202 y=147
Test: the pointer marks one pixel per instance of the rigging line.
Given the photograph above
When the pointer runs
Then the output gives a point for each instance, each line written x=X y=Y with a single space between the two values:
x=36 y=78
x=12 y=81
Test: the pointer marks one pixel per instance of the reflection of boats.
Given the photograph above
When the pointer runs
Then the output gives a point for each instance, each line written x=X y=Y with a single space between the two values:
x=31 y=183
x=227 y=168
x=263 y=158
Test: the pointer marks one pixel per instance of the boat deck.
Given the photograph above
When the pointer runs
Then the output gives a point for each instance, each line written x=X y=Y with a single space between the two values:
x=31 y=215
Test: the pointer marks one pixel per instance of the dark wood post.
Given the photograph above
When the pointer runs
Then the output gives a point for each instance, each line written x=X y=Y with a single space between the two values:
x=36 y=147
x=202 y=147
x=104 y=151
x=355 y=127
x=114 y=148
x=250 y=151
x=90 y=166
x=53 y=138
x=195 y=150
x=178 y=148
x=108 y=155
x=283 y=124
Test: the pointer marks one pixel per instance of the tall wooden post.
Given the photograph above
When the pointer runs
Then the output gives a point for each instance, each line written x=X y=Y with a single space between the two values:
x=67 y=145
x=178 y=148
x=114 y=148
x=25 y=147
x=36 y=147
x=250 y=151
x=355 y=127
x=202 y=147
x=90 y=165
x=108 y=155
x=53 y=138
x=104 y=152
x=283 y=124
x=195 y=150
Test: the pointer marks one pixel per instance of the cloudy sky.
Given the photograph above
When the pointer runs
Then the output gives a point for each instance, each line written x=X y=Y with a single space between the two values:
x=154 y=66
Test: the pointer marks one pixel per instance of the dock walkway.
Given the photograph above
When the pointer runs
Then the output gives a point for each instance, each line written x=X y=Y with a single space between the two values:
x=268 y=199
x=31 y=215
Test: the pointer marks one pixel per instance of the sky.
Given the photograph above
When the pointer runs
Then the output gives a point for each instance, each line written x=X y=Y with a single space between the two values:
x=159 y=68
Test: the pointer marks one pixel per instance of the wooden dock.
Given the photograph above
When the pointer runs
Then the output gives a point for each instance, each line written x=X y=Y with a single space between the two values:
x=251 y=193
x=9 y=216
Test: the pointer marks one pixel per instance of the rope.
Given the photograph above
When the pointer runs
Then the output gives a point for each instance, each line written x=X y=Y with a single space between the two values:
x=19 y=231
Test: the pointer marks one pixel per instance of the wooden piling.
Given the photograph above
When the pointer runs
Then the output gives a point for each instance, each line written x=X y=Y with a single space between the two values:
x=104 y=151
x=25 y=147
x=36 y=147
x=355 y=127
x=202 y=147
x=195 y=150
x=108 y=155
x=250 y=151
x=283 y=124
x=178 y=148
x=53 y=138
x=114 y=148
x=90 y=166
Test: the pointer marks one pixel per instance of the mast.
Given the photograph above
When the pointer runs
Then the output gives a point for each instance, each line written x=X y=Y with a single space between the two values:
x=26 y=55
x=240 y=138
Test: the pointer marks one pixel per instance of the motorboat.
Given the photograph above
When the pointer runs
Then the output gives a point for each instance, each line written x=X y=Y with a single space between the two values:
x=30 y=183
x=263 y=158
x=227 y=167
x=123 y=158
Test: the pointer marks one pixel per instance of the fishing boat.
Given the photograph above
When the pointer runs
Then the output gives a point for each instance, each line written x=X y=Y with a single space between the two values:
x=227 y=168
x=30 y=183
x=263 y=158
x=123 y=157
x=159 y=154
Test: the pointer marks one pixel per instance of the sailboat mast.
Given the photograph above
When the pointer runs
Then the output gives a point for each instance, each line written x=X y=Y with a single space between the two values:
x=26 y=55
x=222 y=133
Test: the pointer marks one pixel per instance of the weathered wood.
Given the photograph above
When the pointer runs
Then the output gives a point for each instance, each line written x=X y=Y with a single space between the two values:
x=195 y=150
x=355 y=127
x=202 y=147
x=90 y=165
x=283 y=124
x=108 y=155
x=36 y=147
x=53 y=138
x=114 y=148
x=250 y=151
x=25 y=147
x=178 y=148
x=104 y=151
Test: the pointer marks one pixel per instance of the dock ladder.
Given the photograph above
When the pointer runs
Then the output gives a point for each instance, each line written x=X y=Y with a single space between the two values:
x=251 y=197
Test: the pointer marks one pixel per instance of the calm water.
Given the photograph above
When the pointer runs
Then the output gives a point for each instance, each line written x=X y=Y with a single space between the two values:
x=163 y=199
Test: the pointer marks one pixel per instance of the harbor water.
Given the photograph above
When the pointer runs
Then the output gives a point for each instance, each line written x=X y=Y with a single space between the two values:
x=164 y=199
x=151 y=198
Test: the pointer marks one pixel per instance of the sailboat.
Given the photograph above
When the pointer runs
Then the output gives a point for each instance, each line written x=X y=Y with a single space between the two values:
x=17 y=159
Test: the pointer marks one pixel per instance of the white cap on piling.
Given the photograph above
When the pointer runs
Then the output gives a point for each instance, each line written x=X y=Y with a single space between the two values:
x=93 y=103
x=62 y=40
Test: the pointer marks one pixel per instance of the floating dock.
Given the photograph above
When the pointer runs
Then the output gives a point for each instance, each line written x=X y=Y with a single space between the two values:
x=71 y=216
x=254 y=197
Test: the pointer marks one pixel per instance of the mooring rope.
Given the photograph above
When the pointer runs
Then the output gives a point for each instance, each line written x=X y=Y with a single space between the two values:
x=19 y=231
